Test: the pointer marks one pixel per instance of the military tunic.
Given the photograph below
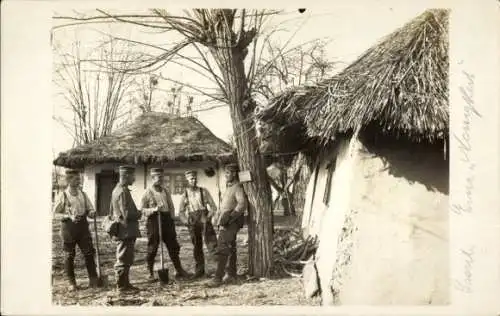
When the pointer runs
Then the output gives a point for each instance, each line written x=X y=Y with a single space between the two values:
x=124 y=211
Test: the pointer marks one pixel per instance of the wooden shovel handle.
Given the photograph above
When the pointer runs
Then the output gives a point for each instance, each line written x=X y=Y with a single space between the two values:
x=161 y=240
x=98 y=263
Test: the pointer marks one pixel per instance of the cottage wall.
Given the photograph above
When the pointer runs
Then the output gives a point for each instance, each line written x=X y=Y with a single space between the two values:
x=137 y=189
x=384 y=237
x=330 y=220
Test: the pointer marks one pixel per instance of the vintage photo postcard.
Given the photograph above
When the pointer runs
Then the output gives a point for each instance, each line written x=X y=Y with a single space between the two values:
x=197 y=158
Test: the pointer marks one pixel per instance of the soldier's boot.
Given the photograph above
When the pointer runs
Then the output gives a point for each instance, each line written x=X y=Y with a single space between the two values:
x=180 y=272
x=72 y=286
x=231 y=267
x=216 y=281
x=151 y=277
x=129 y=285
x=120 y=281
x=199 y=259
x=69 y=269
x=92 y=271
x=199 y=271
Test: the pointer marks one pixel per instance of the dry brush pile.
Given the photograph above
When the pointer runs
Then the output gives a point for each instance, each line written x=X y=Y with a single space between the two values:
x=291 y=251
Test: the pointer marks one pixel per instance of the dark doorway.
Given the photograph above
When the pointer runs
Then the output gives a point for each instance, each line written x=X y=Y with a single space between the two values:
x=106 y=181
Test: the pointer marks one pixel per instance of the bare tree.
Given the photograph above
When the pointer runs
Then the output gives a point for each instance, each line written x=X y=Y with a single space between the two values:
x=93 y=95
x=146 y=86
x=280 y=70
x=228 y=44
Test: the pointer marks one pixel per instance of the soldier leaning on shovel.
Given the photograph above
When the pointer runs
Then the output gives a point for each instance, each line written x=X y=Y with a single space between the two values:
x=75 y=206
x=123 y=227
x=156 y=199
x=230 y=218
x=194 y=213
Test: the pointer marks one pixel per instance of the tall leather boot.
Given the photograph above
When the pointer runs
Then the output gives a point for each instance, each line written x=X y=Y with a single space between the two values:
x=231 y=268
x=180 y=272
x=219 y=272
x=150 y=265
x=69 y=269
x=129 y=285
x=120 y=280
x=91 y=270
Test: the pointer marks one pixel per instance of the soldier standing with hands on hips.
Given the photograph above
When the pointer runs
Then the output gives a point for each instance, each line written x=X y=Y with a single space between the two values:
x=156 y=199
x=124 y=227
x=75 y=206
x=230 y=218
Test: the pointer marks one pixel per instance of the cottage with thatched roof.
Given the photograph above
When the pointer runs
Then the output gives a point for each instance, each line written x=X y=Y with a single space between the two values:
x=152 y=140
x=378 y=194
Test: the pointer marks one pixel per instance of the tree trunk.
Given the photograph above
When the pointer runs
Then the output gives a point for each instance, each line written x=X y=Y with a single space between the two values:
x=259 y=196
x=258 y=190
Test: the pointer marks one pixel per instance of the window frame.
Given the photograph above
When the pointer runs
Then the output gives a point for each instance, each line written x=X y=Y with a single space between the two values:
x=175 y=182
x=328 y=185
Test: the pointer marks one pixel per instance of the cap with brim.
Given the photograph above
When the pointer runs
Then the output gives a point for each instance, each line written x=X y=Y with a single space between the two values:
x=190 y=173
x=156 y=171
x=70 y=172
x=232 y=167
x=126 y=169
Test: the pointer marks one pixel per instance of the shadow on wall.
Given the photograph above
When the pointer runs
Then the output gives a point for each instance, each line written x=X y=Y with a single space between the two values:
x=426 y=164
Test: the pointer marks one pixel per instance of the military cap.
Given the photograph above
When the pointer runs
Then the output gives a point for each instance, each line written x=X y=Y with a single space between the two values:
x=190 y=172
x=126 y=169
x=70 y=172
x=156 y=171
x=232 y=167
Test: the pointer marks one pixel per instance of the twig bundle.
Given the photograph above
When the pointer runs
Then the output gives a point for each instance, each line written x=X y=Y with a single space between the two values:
x=291 y=250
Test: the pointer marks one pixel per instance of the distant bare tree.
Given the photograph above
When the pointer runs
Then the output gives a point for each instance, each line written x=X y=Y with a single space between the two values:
x=94 y=95
x=279 y=70
x=145 y=89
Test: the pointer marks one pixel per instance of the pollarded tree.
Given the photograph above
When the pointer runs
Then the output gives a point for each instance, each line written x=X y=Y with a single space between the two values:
x=223 y=38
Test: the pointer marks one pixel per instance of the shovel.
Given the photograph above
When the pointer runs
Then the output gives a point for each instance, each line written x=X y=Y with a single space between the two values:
x=102 y=280
x=162 y=273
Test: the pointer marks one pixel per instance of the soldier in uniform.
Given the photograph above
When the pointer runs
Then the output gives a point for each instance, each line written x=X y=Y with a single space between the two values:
x=196 y=210
x=125 y=214
x=230 y=219
x=75 y=206
x=156 y=199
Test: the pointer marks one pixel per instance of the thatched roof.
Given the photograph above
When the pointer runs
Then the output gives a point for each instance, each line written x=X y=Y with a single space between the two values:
x=152 y=138
x=397 y=87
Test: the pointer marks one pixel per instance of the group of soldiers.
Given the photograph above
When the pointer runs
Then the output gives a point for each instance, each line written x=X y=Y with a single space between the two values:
x=197 y=210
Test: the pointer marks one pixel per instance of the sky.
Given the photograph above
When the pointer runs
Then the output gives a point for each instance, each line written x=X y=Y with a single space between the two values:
x=350 y=29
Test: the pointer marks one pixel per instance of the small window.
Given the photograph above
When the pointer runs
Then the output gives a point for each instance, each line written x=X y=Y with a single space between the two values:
x=330 y=168
x=175 y=182
x=179 y=183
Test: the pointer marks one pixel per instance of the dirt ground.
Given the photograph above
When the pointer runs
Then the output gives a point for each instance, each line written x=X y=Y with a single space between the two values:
x=274 y=291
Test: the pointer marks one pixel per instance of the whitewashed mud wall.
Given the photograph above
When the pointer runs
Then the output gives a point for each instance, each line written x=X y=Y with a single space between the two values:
x=333 y=218
x=399 y=247
x=384 y=237
x=137 y=189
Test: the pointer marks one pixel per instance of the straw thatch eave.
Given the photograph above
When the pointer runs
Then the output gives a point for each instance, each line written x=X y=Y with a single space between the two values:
x=284 y=125
x=152 y=138
x=397 y=88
